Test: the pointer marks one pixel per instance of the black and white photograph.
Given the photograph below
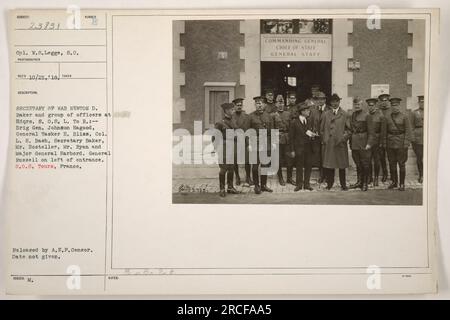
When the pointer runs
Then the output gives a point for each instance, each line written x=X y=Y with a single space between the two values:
x=299 y=111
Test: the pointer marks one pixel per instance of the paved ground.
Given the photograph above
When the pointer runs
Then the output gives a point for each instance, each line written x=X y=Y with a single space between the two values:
x=205 y=190
x=372 y=197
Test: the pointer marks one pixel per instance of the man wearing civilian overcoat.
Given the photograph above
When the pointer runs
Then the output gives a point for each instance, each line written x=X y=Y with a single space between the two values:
x=335 y=132
x=317 y=112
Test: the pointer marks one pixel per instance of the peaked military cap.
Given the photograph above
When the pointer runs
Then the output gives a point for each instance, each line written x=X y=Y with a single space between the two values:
x=335 y=97
x=384 y=97
x=371 y=101
x=227 y=105
x=395 y=100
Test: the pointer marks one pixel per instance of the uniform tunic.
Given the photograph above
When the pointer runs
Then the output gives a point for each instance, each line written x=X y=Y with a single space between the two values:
x=281 y=121
x=224 y=125
x=242 y=121
x=261 y=120
x=398 y=139
x=417 y=126
x=362 y=128
x=398 y=131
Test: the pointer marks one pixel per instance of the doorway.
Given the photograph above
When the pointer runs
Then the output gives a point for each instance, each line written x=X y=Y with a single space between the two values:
x=301 y=77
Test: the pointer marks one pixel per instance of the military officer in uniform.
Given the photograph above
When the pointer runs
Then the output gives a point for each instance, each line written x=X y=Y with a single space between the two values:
x=242 y=120
x=269 y=100
x=291 y=106
x=398 y=138
x=379 y=124
x=300 y=138
x=361 y=142
x=291 y=103
x=260 y=119
x=417 y=127
x=226 y=164
x=320 y=107
x=335 y=132
x=281 y=121
x=384 y=107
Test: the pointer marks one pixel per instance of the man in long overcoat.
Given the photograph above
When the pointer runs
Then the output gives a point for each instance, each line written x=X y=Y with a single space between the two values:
x=335 y=132
x=317 y=112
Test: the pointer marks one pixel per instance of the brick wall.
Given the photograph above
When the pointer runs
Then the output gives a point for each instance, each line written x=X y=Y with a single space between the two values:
x=202 y=41
x=383 y=55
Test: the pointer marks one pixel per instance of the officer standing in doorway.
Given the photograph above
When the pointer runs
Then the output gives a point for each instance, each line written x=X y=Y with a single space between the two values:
x=291 y=103
x=269 y=100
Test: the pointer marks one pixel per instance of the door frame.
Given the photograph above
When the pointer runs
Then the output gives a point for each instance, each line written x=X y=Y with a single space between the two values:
x=216 y=86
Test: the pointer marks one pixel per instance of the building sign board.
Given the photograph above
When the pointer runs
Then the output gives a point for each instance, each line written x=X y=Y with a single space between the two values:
x=296 y=47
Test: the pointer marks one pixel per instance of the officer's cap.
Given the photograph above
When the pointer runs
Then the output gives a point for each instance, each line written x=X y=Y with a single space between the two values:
x=309 y=103
x=302 y=106
x=357 y=100
x=292 y=94
x=384 y=97
x=258 y=98
x=371 y=101
x=395 y=100
x=268 y=90
x=319 y=95
x=237 y=100
x=279 y=98
x=335 y=97
x=227 y=105
x=420 y=98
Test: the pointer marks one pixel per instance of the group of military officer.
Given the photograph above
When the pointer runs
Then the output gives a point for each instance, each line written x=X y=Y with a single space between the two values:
x=315 y=134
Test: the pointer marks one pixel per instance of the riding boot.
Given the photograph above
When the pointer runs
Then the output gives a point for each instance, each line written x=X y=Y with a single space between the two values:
x=222 y=184
x=264 y=186
x=289 y=175
x=248 y=177
x=365 y=179
x=402 y=179
x=394 y=178
x=358 y=183
x=236 y=172
x=280 y=177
